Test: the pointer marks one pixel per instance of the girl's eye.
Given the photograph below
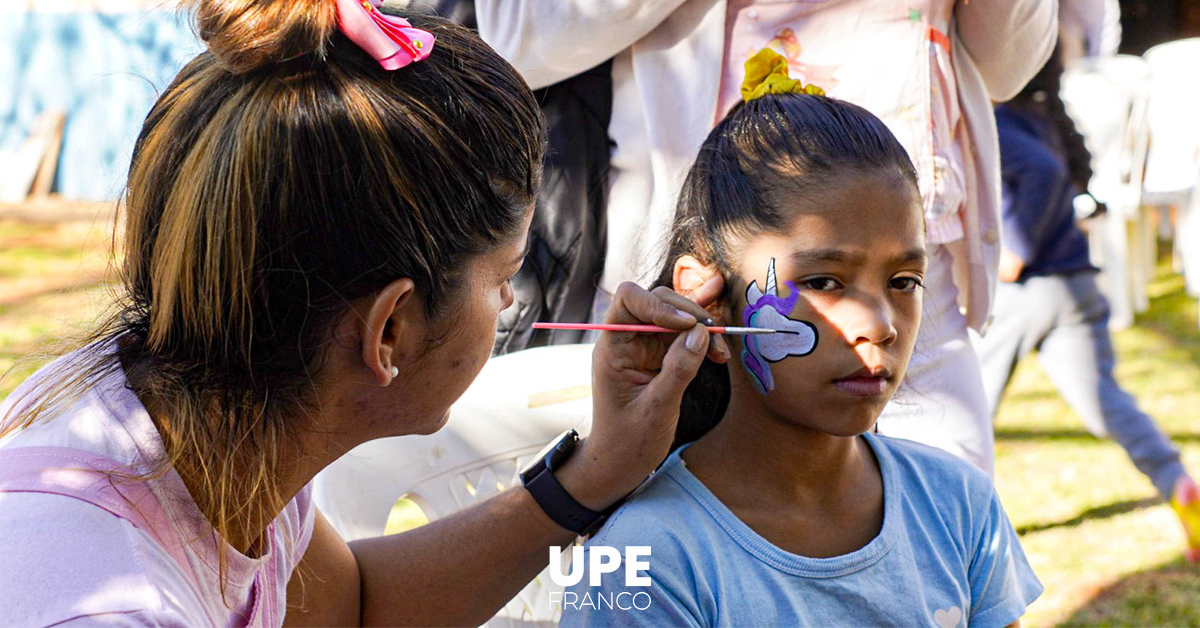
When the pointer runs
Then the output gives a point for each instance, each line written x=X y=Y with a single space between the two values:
x=821 y=284
x=906 y=284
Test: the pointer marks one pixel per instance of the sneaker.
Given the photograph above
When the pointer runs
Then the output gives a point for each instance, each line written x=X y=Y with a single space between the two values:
x=1186 y=502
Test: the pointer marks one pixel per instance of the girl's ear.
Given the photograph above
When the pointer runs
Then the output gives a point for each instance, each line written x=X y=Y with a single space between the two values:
x=689 y=274
x=699 y=282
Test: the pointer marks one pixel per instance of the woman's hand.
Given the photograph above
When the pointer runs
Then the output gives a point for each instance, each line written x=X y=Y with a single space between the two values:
x=459 y=570
x=637 y=384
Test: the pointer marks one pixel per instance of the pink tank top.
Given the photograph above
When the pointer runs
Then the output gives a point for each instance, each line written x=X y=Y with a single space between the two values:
x=73 y=455
x=79 y=475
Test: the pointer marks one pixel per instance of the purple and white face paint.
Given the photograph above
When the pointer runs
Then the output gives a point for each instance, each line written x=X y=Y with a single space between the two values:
x=770 y=311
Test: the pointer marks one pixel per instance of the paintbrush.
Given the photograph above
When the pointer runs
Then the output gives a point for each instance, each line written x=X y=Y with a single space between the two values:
x=734 y=331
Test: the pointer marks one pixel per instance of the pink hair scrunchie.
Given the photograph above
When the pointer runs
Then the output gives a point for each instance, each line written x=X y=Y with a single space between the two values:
x=391 y=40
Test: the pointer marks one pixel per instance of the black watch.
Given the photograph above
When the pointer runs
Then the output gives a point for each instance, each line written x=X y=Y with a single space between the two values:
x=539 y=480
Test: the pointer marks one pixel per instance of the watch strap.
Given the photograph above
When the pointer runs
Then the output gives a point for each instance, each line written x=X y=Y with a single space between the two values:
x=557 y=502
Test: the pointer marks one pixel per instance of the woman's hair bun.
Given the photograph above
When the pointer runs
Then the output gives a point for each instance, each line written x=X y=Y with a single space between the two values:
x=247 y=34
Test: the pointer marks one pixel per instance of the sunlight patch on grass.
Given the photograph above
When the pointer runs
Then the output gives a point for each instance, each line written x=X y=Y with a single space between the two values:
x=1163 y=595
x=1076 y=564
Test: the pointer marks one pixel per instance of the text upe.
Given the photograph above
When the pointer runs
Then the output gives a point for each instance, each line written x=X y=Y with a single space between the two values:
x=602 y=560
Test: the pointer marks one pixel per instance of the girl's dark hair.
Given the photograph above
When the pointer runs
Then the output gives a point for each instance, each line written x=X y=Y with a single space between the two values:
x=281 y=175
x=773 y=148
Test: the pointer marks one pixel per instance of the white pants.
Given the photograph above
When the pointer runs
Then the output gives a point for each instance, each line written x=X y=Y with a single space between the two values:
x=941 y=401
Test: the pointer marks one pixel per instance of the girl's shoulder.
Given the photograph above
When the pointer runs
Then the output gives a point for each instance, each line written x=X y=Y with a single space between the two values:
x=932 y=481
x=653 y=514
x=935 y=484
x=921 y=465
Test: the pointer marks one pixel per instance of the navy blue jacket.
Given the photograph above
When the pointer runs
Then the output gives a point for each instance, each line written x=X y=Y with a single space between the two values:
x=1038 y=215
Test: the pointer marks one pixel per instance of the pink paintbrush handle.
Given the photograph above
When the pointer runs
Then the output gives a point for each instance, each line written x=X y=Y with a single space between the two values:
x=647 y=328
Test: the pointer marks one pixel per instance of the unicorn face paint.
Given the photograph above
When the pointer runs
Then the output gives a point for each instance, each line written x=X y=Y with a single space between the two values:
x=770 y=311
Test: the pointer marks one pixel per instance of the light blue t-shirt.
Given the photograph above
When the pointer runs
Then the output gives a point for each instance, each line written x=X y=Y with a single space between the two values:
x=946 y=556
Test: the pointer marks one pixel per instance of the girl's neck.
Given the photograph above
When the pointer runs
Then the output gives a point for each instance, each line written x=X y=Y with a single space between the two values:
x=778 y=459
x=806 y=492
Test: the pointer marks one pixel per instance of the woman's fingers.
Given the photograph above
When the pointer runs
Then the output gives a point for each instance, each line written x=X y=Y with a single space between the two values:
x=632 y=304
x=638 y=382
x=681 y=302
x=666 y=308
x=718 y=351
x=679 y=367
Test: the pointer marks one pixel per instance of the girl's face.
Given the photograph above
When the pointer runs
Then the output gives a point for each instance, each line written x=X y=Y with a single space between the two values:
x=842 y=287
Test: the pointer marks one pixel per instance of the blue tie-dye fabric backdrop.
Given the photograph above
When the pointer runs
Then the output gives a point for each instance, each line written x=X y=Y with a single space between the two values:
x=103 y=69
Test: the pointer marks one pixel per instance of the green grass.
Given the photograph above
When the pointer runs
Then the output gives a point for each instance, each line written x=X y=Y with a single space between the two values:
x=53 y=284
x=1106 y=548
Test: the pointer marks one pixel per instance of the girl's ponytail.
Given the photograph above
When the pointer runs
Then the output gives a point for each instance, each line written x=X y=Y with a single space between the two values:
x=704 y=402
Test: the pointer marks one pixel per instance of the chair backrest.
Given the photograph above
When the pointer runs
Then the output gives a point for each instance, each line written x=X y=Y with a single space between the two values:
x=1108 y=97
x=519 y=402
x=1174 y=161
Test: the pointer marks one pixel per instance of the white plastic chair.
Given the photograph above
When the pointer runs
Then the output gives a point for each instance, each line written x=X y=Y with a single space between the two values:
x=517 y=405
x=1173 y=164
x=1108 y=99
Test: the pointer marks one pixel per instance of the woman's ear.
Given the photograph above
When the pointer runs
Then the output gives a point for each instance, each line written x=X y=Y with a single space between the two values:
x=699 y=282
x=392 y=326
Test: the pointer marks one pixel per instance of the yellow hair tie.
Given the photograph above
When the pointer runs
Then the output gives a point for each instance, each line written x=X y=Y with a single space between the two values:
x=767 y=73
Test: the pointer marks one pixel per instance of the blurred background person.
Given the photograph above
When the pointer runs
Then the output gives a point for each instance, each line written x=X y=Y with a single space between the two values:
x=1048 y=299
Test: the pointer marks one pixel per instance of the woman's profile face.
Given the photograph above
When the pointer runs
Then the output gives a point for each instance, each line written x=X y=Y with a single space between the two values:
x=429 y=383
x=841 y=287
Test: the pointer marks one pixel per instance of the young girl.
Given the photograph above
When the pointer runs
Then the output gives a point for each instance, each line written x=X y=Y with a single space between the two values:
x=790 y=511
x=322 y=217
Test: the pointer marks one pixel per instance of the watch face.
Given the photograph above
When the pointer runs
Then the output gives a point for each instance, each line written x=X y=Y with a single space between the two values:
x=563 y=448
x=536 y=461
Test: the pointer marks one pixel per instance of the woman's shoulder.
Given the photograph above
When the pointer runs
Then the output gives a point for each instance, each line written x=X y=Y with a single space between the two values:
x=64 y=559
x=99 y=415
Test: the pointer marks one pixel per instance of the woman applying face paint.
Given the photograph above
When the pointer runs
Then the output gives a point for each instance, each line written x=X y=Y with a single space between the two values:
x=323 y=215
x=796 y=514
